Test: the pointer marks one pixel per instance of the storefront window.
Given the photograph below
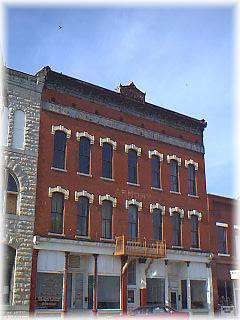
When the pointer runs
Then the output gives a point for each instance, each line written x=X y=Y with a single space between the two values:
x=155 y=291
x=49 y=290
x=198 y=294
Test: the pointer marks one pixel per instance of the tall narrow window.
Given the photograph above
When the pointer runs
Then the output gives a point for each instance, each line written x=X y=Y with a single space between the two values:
x=107 y=156
x=176 y=229
x=84 y=155
x=57 y=212
x=131 y=273
x=107 y=210
x=9 y=262
x=133 y=222
x=194 y=231
x=132 y=166
x=5 y=125
x=157 y=224
x=191 y=180
x=60 y=139
x=155 y=161
x=222 y=240
x=82 y=216
x=19 y=129
x=12 y=195
x=174 y=176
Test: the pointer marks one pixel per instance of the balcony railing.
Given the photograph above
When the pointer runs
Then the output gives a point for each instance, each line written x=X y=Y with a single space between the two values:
x=140 y=248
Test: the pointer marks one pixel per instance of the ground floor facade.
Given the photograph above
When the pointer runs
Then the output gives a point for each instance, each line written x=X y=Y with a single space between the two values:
x=78 y=276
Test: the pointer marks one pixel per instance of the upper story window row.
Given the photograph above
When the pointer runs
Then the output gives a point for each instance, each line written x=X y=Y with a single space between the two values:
x=85 y=140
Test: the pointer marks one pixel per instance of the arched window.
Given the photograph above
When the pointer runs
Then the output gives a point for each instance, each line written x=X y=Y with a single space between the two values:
x=157 y=224
x=107 y=156
x=19 y=129
x=82 y=216
x=176 y=229
x=191 y=179
x=133 y=222
x=5 y=125
x=12 y=195
x=155 y=162
x=59 y=152
x=194 y=231
x=174 y=176
x=84 y=155
x=132 y=166
x=9 y=264
x=107 y=210
x=57 y=212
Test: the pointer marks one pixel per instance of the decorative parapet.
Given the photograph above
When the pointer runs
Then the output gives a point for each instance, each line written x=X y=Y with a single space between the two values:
x=155 y=153
x=157 y=206
x=84 y=193
x=196 y=213
x=176 y=209
x=190 y=161
x=174 y=157
x=58 y=189
x=134 y=202
x=110 y=141
x=109 y=198
x=86 y=135
x=133 y=147
x=61 y=128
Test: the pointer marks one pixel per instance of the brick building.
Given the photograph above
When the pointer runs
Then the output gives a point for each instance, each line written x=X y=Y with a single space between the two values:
x=121 y=210
x=19 y=145
x=224 y=236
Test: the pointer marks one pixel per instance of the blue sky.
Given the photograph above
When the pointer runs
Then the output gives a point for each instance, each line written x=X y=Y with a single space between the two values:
x=182 y=57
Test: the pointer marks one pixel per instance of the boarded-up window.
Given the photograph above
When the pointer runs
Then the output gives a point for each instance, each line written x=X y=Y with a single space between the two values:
x=18 y=129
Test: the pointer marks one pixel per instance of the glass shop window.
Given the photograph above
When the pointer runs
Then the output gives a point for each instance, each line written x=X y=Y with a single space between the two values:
x=198 y=294
x=49 y=290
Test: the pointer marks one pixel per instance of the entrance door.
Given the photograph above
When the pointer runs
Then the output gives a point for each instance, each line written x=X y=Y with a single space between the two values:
x=77 y=291
x=174 y=300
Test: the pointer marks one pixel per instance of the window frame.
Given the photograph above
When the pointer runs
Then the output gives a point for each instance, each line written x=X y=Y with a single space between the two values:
x=225 y=241
x=195 y=231
x=131 y=223
x=56 y=152
x=86 y=156
x=107 y=162
x=155 y=171
x=132 y=165
x=53 y=213
x=107 y=221
x=15 y=130
x=179 y=240
x=159 y=213
x=174 y=177
x=80 y=217
x=192 y=180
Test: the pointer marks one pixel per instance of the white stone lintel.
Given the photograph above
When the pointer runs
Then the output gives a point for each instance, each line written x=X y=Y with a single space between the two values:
x=108 y=198
x=84 y=193
x=61 y=128
x=134 y=202
x=86 y=135
x=60 y=189
x=133 y=147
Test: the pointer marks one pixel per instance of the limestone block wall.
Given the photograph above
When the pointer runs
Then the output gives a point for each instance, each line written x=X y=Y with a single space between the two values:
x=22 y=92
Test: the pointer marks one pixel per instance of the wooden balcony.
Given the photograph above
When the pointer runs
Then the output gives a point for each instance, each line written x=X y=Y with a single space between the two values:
x=140 y=248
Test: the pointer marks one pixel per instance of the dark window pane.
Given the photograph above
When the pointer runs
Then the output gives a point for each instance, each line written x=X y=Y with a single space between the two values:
x=191 y=180
x=57 y=212
x=83 y=215
x=12 y=185
x=155 y=161
x=131 y=273
x=174 y=176
x=194 y=231
x=133 y=222
x=84 y=155
x=157 y=224
x=107 y=154
x=176 y=229
x=184 y=293
x=107 y=219
x=222 y=240
x=59 y=149
x=132 y=166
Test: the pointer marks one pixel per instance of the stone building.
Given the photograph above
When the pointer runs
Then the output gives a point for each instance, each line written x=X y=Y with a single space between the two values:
x=121 y=203
x=20 y=135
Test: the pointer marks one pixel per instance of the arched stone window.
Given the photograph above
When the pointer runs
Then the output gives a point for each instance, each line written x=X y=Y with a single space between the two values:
x=19 y=120
x=9 y=266
x=12 y=195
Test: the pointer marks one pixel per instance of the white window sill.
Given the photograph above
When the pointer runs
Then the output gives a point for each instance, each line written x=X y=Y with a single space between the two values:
x=133 y=184
x=223 y=255
x=107 y=179
x=84 y=174
x=157 y=189
x=198 y=249
x=193 y=196
x=58 y=169
x=107 y=240
x=177 y=247
x=174 y=192
x=82 y=237
x=56 y=234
